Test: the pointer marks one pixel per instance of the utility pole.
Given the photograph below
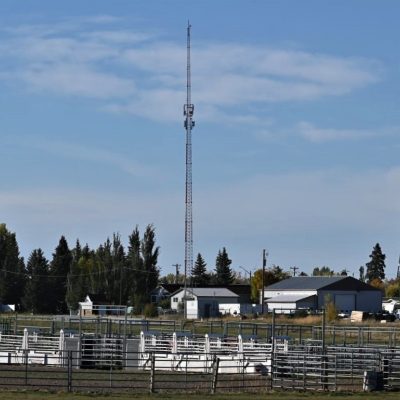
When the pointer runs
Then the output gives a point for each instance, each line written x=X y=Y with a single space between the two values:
x=294 y=270
x=188 y=111
x=264 y=264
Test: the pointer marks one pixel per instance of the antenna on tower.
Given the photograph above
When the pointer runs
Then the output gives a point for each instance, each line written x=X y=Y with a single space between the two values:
x=188 y=110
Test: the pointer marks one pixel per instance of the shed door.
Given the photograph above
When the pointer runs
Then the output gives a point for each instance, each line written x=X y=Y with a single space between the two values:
x=345 y=302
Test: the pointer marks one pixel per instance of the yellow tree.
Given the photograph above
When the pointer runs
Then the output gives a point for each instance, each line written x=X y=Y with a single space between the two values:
x=271 y=275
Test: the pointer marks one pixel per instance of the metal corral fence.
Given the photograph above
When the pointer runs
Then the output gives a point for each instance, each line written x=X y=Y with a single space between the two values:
x=361 y=335
x=181 y=362
x=336 y=369
x=98 y=325
x=295 y=370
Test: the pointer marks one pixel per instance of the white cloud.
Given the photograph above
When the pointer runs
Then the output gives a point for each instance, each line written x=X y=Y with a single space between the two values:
x=319 y=135
x=148 y=75
x=91 y=154
x=77 y=80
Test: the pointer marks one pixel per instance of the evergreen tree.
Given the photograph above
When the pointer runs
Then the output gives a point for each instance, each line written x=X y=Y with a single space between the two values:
x=150 y=258
x=104 y=266
x=12 y=269
x=142 y=267
x=199 y=275
x=135 y=271
x=224 y=275
x=59 y=269
x=376 y=267
x=120 y=287
x=36 y=297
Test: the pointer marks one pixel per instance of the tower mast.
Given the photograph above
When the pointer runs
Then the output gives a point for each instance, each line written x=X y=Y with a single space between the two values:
x=188 y=110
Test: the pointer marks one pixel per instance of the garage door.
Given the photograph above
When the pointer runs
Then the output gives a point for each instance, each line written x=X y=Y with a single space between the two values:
x=345 y=302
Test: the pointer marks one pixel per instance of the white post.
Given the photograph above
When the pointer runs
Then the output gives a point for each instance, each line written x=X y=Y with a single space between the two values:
x=174 y=344
x=25 y=342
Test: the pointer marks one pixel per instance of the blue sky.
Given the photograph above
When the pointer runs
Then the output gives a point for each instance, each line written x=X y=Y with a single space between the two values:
x=295 y=147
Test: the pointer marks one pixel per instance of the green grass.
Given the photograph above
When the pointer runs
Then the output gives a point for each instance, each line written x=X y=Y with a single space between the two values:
x=38 y=395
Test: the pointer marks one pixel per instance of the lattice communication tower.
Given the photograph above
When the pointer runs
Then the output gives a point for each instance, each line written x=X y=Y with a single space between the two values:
x=188 y=111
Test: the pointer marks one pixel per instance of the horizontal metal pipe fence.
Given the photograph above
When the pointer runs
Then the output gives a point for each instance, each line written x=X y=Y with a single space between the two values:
x=301 y=368
x=361 y=335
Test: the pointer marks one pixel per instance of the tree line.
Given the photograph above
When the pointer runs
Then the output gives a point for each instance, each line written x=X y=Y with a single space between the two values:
x=128 y=275
x=123 y=276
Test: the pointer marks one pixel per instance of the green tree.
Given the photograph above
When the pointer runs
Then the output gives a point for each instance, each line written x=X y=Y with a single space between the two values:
x=75 y=279
x=172 y=278
x=120 y=287
x=142 y=266
x=135 y=271
x=104 y=267
x=12 y=269
x=199 y=274
x=223 y=271
x=111 y=275
x=36 y=298
x=376 y=267
x=150 y=258
x=59 y=269
x=323 y=271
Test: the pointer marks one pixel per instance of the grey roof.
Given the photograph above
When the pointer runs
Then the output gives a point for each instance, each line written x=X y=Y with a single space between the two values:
x=288 y=298
x=212 y=292
x=322 y=282
x=306 y=282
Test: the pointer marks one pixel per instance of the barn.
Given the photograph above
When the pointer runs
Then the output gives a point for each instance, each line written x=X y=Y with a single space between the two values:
x=303 y=292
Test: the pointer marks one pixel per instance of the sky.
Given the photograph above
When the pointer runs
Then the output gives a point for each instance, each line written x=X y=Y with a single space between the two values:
x=295 y=148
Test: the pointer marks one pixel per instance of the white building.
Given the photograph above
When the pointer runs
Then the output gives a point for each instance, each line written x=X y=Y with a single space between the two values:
x=202 y=302
x=346 y=292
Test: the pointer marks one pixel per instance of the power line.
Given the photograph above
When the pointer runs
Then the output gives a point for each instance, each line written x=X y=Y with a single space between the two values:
x=98 y=272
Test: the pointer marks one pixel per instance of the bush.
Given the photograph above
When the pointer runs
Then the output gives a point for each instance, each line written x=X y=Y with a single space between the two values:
x=331 y=312
x=150 y=310
x=165 y=304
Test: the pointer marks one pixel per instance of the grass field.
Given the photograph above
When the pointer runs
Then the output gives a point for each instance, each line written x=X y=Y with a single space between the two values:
x=39 y=395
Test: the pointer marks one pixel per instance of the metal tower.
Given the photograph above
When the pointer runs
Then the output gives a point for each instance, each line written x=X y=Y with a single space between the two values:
x=188 y=110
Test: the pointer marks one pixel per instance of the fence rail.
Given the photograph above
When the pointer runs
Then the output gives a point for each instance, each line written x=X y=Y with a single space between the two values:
x=301 y=368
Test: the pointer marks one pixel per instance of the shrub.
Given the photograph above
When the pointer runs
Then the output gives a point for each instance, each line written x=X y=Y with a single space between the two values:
x=331 y=312
x=150 y=310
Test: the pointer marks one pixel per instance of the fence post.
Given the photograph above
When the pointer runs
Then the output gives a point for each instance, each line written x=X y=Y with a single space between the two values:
x=215 y=375
x=26 y=367
x=69 y=370
x=152 y=372
x=272 y=347
x=16 y=325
